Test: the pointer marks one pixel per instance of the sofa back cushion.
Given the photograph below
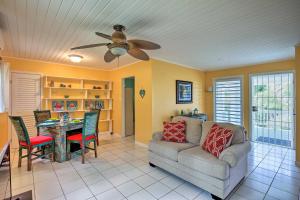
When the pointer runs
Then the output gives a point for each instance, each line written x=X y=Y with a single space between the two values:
x=238 y=131
x=174 y=132
x=193 y=128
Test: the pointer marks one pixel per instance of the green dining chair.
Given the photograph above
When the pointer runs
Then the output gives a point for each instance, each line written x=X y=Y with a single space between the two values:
x=87 y=136
x=30 y=143
x=41 y=116
x=97 y=126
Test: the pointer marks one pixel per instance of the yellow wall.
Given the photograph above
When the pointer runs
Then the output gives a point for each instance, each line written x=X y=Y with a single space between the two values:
x=55 y=69
x=4 y=136
x=142 y=73
x=164 y=76
x=297 y=65
x=244 y=72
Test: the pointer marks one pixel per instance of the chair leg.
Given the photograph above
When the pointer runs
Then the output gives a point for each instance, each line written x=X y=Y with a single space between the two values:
x=20 y=157
x=29 y=161
x=68 y=151
x=95 y=147
x=97 y=138
x=82 y=153
x=53 y=151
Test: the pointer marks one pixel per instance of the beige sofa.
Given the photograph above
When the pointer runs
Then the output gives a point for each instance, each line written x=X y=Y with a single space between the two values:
x=218 y=176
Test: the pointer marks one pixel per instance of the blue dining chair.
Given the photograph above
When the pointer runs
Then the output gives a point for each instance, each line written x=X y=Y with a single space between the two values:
x=88 y=135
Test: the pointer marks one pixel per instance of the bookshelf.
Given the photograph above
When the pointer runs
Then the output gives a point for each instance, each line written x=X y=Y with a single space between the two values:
x=76 y=96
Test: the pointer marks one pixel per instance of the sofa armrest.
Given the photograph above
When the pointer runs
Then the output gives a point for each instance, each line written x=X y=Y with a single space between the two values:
x=235 y=152
x=157 y=136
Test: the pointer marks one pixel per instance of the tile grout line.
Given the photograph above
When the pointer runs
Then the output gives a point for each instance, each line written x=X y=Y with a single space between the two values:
x=275 y=175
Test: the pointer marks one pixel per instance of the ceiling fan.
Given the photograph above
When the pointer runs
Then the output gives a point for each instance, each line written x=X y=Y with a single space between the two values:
x=120 y=45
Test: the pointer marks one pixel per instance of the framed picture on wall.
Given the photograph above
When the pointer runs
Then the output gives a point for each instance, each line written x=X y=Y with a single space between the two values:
x=184 y=92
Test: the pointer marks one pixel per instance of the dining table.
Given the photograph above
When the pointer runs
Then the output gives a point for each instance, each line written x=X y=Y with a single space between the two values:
x=59 y=131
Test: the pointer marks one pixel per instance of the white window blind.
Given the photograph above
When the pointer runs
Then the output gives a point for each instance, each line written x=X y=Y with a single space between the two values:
x=228 y=100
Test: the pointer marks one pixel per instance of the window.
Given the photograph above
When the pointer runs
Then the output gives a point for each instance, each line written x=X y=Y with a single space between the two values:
x=228 y=100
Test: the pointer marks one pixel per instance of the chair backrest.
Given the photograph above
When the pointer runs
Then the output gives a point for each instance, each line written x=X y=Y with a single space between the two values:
x=41 y=115
x=98 y=112
x=20 y=128
x=89 y=124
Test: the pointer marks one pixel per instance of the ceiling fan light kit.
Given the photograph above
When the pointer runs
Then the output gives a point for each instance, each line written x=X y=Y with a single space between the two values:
x=120 y=45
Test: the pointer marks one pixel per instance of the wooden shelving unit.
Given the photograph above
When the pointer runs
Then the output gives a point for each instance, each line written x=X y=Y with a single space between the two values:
x=81 y=91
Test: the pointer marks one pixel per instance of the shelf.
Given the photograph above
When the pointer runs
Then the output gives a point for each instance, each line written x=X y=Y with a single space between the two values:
x=67 y=88
x=79 y=110
x=76 y=99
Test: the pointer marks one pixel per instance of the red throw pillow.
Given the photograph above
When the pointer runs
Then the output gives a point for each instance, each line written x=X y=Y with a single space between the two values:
x=217 y=140
x=174 y=132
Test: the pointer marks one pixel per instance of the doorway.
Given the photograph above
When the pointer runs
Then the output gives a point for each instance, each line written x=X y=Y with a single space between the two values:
x=129 y=106
x=272 y=108
x=25 y=98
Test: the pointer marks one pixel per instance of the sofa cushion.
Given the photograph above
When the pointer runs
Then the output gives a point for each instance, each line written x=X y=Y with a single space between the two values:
x=168 y=149
x=193 y=128
x=217 y=140
x=238 y=131
x=174 y=131
x=204 y=162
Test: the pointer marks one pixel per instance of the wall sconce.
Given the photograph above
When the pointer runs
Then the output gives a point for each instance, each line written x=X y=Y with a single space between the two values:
x=210 y=89
x=142 y=93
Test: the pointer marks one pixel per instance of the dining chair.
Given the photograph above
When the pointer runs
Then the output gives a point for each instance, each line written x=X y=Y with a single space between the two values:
x=88 y=135
x=29 y=143
x=97 y=126
x=41 y=116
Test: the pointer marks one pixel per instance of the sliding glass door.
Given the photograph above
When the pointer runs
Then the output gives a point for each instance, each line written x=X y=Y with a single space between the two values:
x=272 y=108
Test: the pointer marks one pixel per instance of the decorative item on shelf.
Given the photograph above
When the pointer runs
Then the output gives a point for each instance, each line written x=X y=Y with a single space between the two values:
x=67 y=96
x=89 y=104
x=51 y=84
x=97 y=87
x=184 y=92
x=195 y=112
x=58 y=105
x=97 y=96
x=181 y=113
x=142 y=93
x=99 y=104
x=70 y=86
x=72 y=105
x=106 y=86
x=62 y=85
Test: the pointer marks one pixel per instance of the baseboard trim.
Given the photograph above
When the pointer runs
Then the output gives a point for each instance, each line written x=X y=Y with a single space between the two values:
x=141 y=144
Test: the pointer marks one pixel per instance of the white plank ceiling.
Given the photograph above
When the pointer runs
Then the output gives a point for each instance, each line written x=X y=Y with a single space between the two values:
x=207 y=34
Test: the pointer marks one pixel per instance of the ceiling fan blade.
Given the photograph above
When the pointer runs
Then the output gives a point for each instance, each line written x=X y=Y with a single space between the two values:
x=90 y=46
x=137 y=53
x=108 y=57
x=143 y=44
x=104 y=35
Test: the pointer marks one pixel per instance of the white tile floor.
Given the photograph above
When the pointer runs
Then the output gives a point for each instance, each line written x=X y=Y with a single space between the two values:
x=122 y=172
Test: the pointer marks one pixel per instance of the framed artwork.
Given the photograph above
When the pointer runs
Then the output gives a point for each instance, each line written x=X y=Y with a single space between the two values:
x=184 y=92
x=58 y=105
x=89 y=104
x=72 y=105
x=99 y=104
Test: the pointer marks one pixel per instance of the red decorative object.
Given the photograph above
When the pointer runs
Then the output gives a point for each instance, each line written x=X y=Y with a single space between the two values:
x=174 y=132
x=217 y=140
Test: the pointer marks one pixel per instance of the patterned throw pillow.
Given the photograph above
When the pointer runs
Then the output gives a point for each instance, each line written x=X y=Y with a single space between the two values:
x=217 y=140
x=174 y=132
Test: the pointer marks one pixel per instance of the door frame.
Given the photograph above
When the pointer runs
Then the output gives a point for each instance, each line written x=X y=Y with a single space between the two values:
x=250 y=101
x=123 y=134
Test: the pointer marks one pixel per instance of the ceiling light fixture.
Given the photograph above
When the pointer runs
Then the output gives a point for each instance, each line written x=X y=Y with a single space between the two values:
x=118 y=51
x=75 y=58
